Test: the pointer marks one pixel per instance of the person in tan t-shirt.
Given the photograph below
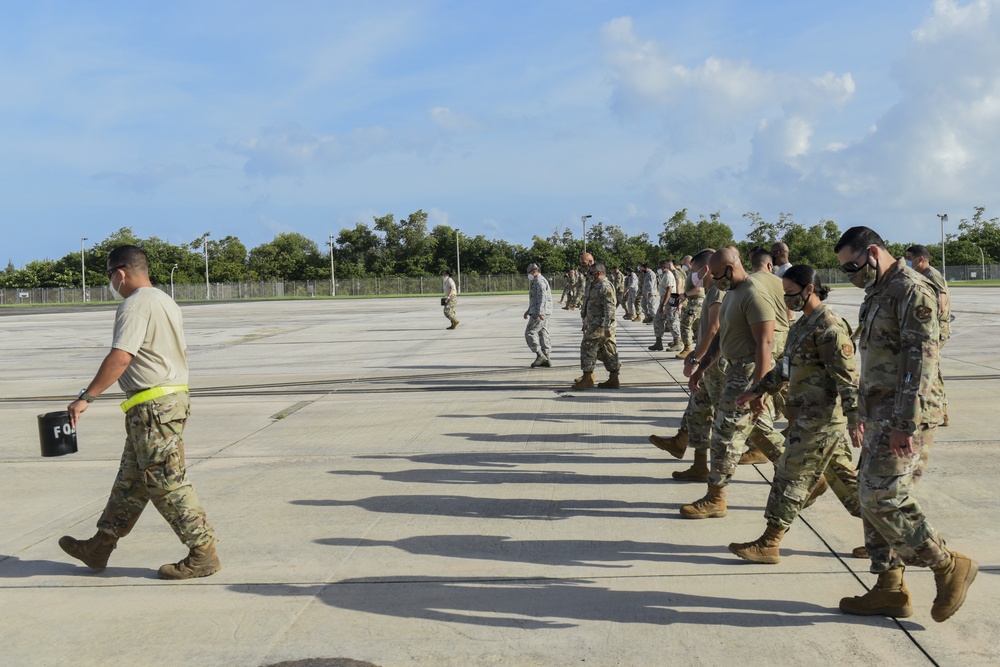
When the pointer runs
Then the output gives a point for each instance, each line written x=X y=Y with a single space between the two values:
x=745 y=340
x=148 y=360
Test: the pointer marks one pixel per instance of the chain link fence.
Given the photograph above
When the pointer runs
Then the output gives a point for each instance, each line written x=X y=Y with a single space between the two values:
x=347 y=287
x=361 y=287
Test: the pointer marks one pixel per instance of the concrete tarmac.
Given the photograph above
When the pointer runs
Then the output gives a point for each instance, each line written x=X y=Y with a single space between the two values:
x=387 y=492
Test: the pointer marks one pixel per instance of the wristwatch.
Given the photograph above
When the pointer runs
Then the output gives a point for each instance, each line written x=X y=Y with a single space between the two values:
x=692 y=360
x=85 y=396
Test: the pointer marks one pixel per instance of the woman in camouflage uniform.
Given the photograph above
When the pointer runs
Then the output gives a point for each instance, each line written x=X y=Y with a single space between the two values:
x=818 y=365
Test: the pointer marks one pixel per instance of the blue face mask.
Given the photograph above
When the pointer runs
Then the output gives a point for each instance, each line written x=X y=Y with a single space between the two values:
x=909 y=263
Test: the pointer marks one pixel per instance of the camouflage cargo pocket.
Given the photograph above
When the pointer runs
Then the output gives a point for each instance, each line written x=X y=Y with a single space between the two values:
x=879 y=460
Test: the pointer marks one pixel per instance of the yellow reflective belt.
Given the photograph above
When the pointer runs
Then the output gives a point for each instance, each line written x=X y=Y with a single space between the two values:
x=150 y=394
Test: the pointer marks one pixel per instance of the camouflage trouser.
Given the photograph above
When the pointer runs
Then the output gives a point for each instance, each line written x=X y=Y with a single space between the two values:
x=668 y=320
x=449 y=307
x=639 y=302
x=567 y=295
x=596 y=346
x=690 y=318
x=153 y=469
x=537 y=336
x=649 y=305
x=620 y=298
x=734 y=423
x=578 y=298
x=700 y=413
x=810 y=450
x=896 y=529
x=629 y=304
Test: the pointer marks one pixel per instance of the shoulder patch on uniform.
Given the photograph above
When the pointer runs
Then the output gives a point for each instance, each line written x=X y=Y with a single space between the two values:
x=848 y=350
x=922 y=313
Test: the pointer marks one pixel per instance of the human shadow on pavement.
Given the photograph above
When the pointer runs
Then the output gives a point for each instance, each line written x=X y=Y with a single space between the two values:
x=536 y=604
x=560 y=438
x=612 y=554
x=511 y=460
x=12 y=567
x=530 y=509
x=479 y=476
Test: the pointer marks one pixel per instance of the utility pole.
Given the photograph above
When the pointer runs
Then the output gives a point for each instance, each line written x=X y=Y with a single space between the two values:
x=172 y=281
x=204 y=241
x=458 y=263
x=333 y=276
x=584 y=219
x=944 y=265
x=83 y=269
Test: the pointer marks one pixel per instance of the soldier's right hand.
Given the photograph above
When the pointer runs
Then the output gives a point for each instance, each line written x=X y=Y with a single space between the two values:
x=76 y=410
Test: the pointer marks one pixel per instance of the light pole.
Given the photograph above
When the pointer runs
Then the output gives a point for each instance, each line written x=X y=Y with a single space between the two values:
x=944 y=265
x=583 y=218
x=204 y=247
x=333 y=276
x=458 y=263
x=83 y=269
x=982 y=258
x=172 y=281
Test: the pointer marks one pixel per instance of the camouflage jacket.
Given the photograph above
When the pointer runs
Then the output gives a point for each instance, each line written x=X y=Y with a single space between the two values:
x=819 y=368
x=618 y=280
x=599 y=306
x=539 y=297
x=899 y=346
x=936 y=280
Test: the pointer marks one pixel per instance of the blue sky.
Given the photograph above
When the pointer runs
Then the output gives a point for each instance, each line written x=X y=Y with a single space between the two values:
x=507 y=119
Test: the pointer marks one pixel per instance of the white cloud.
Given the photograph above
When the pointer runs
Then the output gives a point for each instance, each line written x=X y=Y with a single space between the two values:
x=453 y=121
x=289 y=148
x=144 y=179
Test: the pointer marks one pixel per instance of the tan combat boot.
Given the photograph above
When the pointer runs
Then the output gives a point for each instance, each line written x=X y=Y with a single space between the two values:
x=454 y=324
x=860 y=552
x=611 y=382
x=683 y=353
x=201 y=561
x=675 y=445
x=93 y=552
x=585 y=381
x=674 y=346
x=762 y=550
x=712 y=506
x=698 y=472
x=752 y=456
x=889 y=597
x=952 y=578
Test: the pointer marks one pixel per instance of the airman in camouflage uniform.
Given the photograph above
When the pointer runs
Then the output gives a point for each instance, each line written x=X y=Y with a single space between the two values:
x=818 y=367
x=450 y=300
x=665 y=288
x=599 y=332
x=617 y=279
x=694 y=296
x=580 y=287
x=648 y=289
x=746 y=335
x=569 y=280
x=149 y=363
x=919 y=258
x=631 y=293
x=696 y=423
x=899 y=346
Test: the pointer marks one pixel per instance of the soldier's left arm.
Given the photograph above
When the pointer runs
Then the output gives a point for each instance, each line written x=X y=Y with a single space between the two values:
x=610 y=306
x=836 y=351
x=919 y=335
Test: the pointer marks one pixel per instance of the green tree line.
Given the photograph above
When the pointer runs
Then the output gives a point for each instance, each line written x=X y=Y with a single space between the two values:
x=390 y=247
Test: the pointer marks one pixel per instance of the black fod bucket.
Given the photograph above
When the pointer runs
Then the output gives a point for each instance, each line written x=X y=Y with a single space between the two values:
x=56 y=435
